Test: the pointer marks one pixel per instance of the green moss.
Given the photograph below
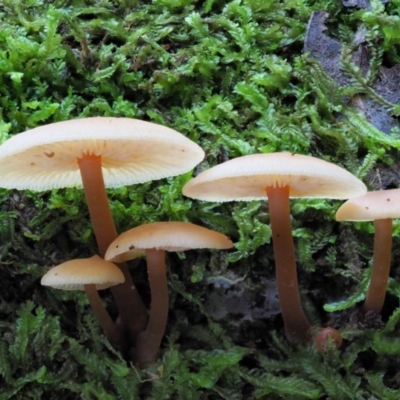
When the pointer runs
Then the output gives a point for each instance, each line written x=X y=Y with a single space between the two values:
x=232 y=76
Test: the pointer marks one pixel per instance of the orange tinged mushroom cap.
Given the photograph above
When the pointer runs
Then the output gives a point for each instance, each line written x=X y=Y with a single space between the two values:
x=381 y=204
x=169 y=236
x=132 y=151
x=74 y=274
x=246 y=178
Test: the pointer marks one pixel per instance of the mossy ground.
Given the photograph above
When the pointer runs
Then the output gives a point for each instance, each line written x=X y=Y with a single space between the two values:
x=232 y=76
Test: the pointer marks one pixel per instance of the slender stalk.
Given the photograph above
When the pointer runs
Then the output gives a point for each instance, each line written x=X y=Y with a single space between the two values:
x=148 y=343
x=107 y=324
x=297 y=327
x=132 y=311
x=381 y=266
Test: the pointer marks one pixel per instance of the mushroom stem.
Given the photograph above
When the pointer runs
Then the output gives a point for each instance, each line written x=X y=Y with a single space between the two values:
x=107 y=324
x=381 y=266
x=149 y=341
x=132 y=311
x=297 y=327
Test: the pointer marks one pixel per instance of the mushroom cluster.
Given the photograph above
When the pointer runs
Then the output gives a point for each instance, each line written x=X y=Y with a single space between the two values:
x=104 y=152
x=99 y=153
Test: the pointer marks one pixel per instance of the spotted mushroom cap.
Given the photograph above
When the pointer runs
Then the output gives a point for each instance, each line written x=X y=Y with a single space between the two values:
x=74 y=274
x=132 y=151
x=381 y=204
x=247 y=177
x=169 y=236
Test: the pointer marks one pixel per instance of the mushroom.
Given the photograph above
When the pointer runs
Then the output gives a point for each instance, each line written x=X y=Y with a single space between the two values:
x=96 y=153
x=326 y=337
x=155 y=239
x=89 y=274
x=381 y=207
x=278 y=176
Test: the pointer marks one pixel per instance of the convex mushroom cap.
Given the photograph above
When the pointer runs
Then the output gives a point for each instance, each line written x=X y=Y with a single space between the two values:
x=75 y=274
x=381 y=204
x=169 y=236
x=132 y=151
x=245 y=178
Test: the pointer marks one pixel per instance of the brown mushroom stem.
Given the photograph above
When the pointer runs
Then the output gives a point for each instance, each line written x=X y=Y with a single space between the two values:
x=381 y=266
x=107 y=324
x=132 y=311
x=149 y=341
x=297 y=327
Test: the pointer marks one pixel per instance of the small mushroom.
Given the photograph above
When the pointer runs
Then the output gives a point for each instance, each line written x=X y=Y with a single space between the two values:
x=89 y=274
x=328 y=336
x=381 y=207
x=155 y=239
x=278 y=177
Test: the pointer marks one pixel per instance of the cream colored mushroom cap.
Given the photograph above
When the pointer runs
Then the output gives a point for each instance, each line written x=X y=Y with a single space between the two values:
x=169 y=236
x=74 y=274
x=247 y=177
x=381 y=204
x=132 y=151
